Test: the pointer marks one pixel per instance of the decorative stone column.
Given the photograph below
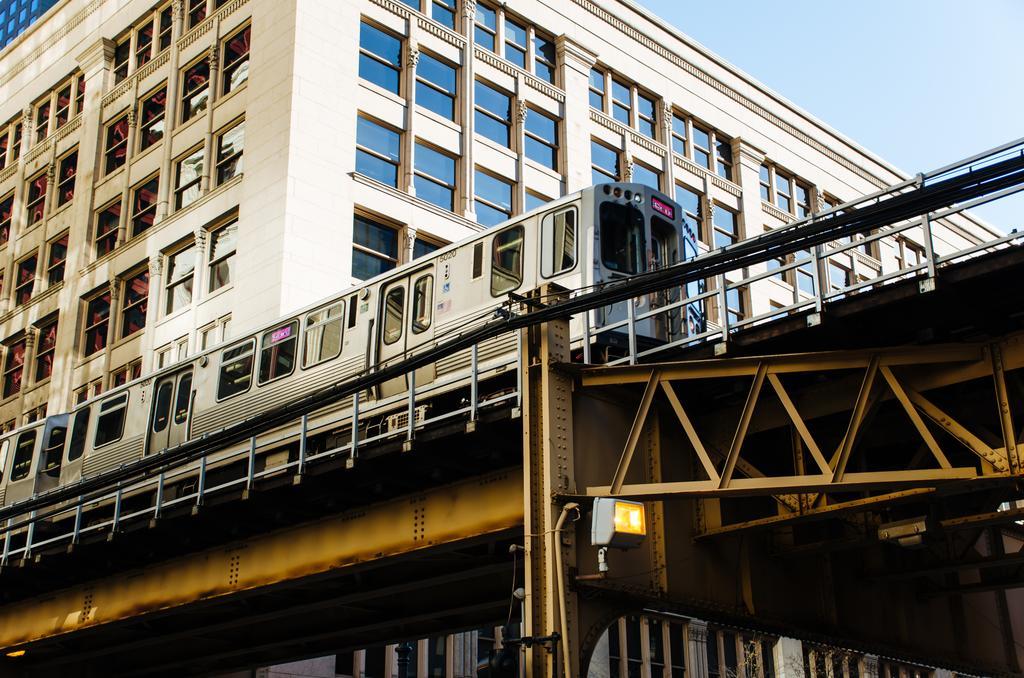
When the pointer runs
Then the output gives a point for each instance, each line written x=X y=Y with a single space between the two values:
x=170 y=115
x=697 y=649
x=156 y=264
x=412 y=60
x=519 y=132
x=466 y=87
x=574 y=62
x=669 y=167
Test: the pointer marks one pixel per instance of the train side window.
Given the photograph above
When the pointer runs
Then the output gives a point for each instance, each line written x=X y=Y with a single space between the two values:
x=23 y=455
x=422 y=303
x=478 y=260
x=558 y=242
x=78 y=433
x=162 y=410
x=181 y=403
x=110 y=423
x=277 y=352
x=54 y=452
x=394 y=306
x=352 y=311
x=235 y=370
x=5 y=447
x=507 y=261
x=322 y=338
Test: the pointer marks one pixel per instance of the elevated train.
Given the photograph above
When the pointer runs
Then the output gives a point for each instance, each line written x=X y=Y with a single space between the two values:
x=592 y=236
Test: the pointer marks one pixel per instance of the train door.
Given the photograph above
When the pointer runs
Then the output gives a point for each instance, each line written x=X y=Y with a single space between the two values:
x=20 y=483
x=172 y=404
x=51 y=455
x=406 y=323
x=664 y=253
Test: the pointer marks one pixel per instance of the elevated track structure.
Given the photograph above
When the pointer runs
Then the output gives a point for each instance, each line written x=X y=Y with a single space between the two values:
x=844 y=469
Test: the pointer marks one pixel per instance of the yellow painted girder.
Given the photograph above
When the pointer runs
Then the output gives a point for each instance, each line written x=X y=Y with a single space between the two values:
x=446 y=514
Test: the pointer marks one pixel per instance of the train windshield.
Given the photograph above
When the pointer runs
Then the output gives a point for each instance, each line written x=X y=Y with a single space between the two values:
x=623 y=243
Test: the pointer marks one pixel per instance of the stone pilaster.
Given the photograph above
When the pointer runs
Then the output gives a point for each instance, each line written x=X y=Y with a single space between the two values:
x=574 y=62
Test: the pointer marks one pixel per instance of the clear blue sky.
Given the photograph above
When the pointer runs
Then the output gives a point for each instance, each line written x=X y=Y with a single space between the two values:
x=921 y=83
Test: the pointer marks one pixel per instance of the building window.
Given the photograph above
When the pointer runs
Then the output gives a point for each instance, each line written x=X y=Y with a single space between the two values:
x=80 y=95
x=642 y=174
x=493 y=199
x=25 y=283
x=130 y=372
x=36 y=198
x=42 y=119
x=63 y=112
x=214 y=333
x=734 y=305
x=725 y=227
x=181 y=267
x=374 y=248
x=597 y=89
x=435 y=86
x=723 y=157
x=195 y=88
x=230 y=145
x=701 y=146
x=604 y=163
x=46 y=343
x=541 y=139
x=516 y=43
x=136 y=301
x=380 y=57
x=5 y=144
x=67 y=169
x=544 y=58
x=485 y=30
x=97 y=316
x=766 y=183
x=783 y=192
x=151 y=127
x=107 y=221
x=435 y=176
x=56 y=260
x=443 y=12
x=14 y=363
x=422 y=247
x=493 y=118
x=6 y=217
x=189 y=173
x=122 y=54
x=144 y=205
x=236 y=60
x=377 y=151
x=115 y=151
x=646 y=116
x=803 y=200
x=196 y=12
x=16 y=142
x=223 y=242
x=535 y=200
x=622 y=102
x=679 y=134
x=144 y=44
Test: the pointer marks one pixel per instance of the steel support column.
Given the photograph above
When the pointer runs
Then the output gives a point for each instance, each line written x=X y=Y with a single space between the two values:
x=548 y=471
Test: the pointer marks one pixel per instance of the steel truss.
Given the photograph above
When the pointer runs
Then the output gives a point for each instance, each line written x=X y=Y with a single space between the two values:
x=817 y=394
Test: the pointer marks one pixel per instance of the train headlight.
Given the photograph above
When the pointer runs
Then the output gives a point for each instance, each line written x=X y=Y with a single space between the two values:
x=618 y=523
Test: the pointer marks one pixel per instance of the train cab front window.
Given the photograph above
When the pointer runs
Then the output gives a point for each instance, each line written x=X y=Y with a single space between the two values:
x=623 y=243
x=322 y=339
x=5 y=447
x=235 y=370
x=664 y=243
x=110 y=423
x=558 y=243
x=507 y=261
x=23 y=455
x=277 y=352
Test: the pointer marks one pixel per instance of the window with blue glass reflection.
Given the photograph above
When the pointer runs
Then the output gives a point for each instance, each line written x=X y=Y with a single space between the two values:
x=544 y=58
x=421 y=247
x=443 y=12
x=374 y=248
x=645 y=115
x=725 y=226
x=380 y=57
x=434 y=176
x=541 y=138
x=435 y=86
x=493 y=116
x=377 y=151
x=604 y=163
x=486 y=28
x=642 y=174
x=493 y=199
x=515 y=43
x=533 y=201
x=622 y=102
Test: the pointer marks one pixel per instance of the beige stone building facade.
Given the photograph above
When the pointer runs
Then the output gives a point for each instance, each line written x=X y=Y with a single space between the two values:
x=174 y=174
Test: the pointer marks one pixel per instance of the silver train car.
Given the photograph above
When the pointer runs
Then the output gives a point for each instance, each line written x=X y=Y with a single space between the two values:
x=599 y=234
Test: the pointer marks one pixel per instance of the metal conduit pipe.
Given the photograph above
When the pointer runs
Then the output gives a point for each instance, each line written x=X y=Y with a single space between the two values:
x=556 y=535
